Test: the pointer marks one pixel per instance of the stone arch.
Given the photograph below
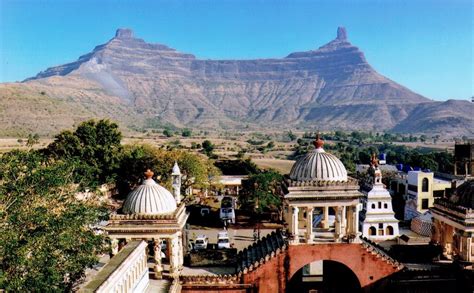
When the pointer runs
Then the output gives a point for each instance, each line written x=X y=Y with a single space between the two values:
x=372 y=231
x=332 y=273
x=367 y=267
x=389 y=230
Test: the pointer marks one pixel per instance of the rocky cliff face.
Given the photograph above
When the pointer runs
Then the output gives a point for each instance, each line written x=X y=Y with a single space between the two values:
x=331 y=87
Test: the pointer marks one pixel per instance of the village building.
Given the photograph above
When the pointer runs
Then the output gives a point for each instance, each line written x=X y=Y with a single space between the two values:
x=379 y=221
x=454 y=223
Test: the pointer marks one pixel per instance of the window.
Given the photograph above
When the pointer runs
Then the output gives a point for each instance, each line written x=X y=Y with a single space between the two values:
x=385 y=206
x=424 y=185
x=372 y=231
x=380 y=205
x=380 y=226
x=373 y=206
x=380 y=229
x=389 y=230
x=424 y=203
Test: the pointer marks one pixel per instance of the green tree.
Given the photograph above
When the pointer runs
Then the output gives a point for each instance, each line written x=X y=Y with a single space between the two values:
x=32 y=139
x=186 y=132
x=46 y=241
x=291 y=135
x=208 y=147
x=95 y=149
x=168 y=133
x=262 y=191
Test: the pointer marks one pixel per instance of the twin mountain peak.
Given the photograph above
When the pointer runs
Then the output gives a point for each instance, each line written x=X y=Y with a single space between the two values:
x=143 y=85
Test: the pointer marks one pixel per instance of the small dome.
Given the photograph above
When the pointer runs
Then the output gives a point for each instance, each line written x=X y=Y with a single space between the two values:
x=317 y=165
x=149 y=198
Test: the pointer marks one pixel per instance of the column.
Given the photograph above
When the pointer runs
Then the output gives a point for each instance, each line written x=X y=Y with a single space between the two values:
x=344 y=221
x=309 y=225
x=294 y=225
x=338 y=223
x=180 y=251
x=326 y=218
x=157 y=267
x=356 y=220
x=174 y=261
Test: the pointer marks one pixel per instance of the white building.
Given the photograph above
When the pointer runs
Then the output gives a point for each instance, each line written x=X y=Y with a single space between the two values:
x=379 y=223
x=423 y=188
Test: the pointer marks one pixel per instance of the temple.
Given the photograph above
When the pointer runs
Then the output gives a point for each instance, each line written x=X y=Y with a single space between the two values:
x=379 y=221
x=321 y=203
x=152 y=213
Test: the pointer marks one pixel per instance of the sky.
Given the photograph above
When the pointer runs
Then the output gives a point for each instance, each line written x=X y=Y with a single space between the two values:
x=426 y=46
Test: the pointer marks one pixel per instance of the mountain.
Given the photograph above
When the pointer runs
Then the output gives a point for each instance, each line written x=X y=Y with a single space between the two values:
x=144 y=85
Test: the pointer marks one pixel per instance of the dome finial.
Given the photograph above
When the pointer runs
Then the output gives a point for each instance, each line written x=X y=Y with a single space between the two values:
x=149 y=174
x=318 y=142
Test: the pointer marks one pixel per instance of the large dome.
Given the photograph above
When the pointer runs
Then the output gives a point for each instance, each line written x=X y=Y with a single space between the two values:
x=149 y=198
x=317 y=165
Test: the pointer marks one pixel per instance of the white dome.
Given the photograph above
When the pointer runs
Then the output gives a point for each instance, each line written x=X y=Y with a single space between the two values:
x=317 y=165
x=149 y=198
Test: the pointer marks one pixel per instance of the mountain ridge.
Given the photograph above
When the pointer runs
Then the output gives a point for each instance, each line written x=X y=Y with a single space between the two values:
x=331 y=87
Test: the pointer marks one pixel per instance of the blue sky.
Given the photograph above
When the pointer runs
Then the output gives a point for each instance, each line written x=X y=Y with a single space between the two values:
x=424 y=45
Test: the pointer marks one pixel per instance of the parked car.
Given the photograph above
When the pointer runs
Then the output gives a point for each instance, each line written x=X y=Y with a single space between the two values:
x=201 y=242
x=223 y=240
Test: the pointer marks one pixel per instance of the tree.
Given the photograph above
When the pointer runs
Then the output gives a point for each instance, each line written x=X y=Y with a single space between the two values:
x=208 y=147
x=32 y=139
x=95 y=149
x=264 y=189
x=291 y=135
x=168 y=133
x=46 y=241
x=186 y=132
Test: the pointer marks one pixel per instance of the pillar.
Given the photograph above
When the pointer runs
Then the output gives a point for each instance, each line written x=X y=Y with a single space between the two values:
x=157 y=267
x=326 y=218
x=294 y=224
x=309 y=225
x=180 y=251
x=174 y=255
x=356 y=220
x=338 y=223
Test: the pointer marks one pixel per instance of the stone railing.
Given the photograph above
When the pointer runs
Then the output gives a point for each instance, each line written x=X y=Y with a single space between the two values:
x=351 y=182
x=377 y=250
x=258 y=253
x=125 y=272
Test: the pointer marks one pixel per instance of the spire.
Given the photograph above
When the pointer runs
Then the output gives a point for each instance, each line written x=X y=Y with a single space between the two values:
x=176 y=176
x=341 y=33
x=176 y=170
x=318 y=142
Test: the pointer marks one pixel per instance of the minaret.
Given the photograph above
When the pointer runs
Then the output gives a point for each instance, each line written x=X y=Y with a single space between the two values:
x=176 y=176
